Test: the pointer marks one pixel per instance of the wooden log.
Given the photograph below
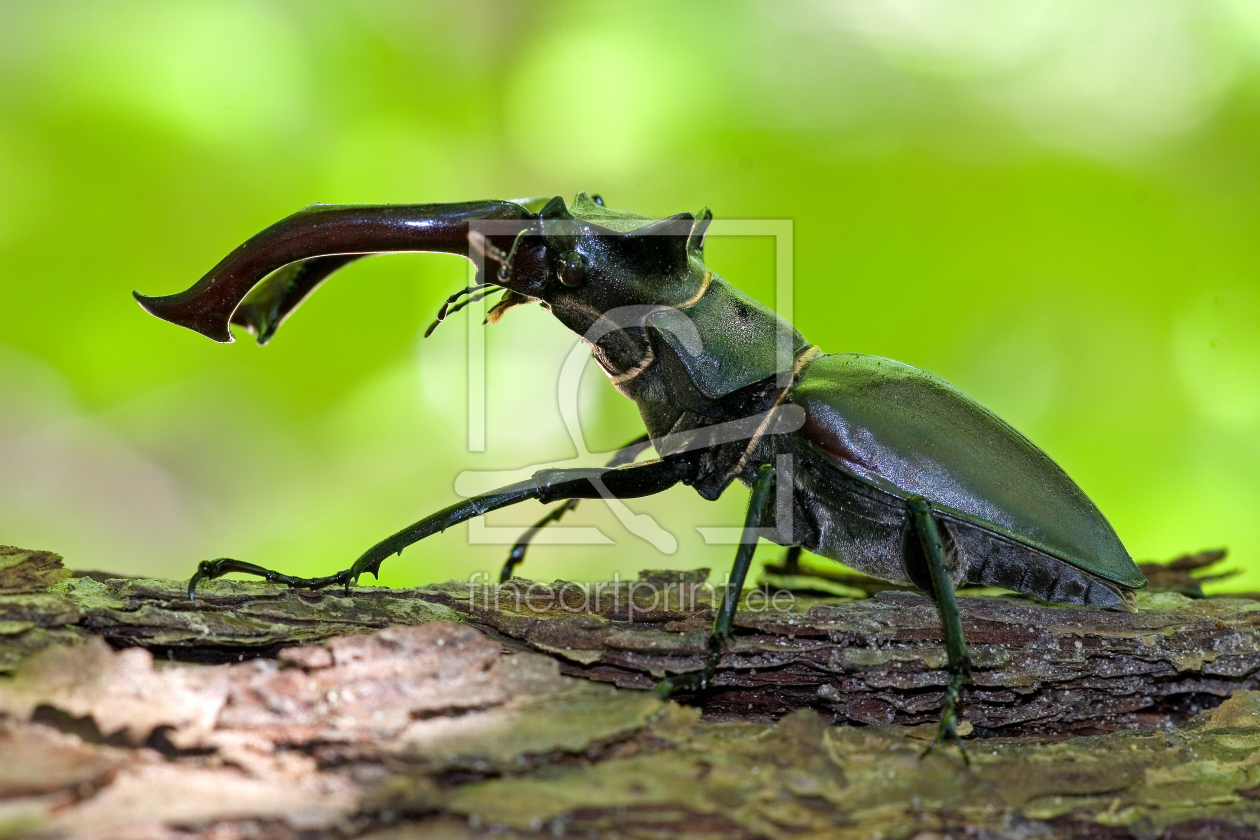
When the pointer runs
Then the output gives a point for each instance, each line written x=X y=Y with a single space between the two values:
x=396 y=714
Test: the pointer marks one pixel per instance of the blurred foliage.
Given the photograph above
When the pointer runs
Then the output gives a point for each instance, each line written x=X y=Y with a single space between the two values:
x=1052 y=205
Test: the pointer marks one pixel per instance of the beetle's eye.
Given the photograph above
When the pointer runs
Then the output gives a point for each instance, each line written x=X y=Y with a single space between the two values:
x=572 y=269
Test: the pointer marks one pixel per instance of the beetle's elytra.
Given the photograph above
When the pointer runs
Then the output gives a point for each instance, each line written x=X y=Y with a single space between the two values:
x=892 y=470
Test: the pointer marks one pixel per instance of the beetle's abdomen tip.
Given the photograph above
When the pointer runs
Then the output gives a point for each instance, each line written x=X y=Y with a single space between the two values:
x=177 y=311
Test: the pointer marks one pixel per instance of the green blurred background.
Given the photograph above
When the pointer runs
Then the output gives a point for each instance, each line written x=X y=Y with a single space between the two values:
x=1051 y=204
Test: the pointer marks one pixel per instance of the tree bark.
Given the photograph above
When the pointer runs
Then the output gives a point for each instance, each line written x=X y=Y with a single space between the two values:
x=467 y=710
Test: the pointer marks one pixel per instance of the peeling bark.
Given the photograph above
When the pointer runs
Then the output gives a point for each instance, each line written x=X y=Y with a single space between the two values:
x=442 y=711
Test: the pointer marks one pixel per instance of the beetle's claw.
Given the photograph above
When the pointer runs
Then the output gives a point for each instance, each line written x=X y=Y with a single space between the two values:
x=208 y=570
x=194 y=580
x=664 y=688
x=198 y=576
x=948 y=733
x=695 y=681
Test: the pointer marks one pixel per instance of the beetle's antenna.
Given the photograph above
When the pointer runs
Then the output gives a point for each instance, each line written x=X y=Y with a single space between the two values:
x=467 y=290
x=482 y=249
x=453 y=304
x=489 y=290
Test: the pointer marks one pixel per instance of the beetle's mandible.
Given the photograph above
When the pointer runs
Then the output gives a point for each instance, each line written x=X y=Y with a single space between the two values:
x=861 y=459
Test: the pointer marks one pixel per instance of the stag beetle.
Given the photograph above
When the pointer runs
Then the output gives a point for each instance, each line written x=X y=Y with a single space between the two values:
x=868 y=461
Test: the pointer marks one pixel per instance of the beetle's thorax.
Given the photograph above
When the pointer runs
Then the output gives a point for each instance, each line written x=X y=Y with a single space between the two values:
x=704 y=375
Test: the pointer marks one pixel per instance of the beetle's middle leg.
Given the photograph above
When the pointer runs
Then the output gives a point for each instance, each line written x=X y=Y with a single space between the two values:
x=627 y=482
x=959 y=665
x=516 y=556
x=758 y=503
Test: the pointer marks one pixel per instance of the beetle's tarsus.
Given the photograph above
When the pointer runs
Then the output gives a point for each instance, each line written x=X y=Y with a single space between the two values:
x=947 y=732
x=217 y=568
x=693 y=680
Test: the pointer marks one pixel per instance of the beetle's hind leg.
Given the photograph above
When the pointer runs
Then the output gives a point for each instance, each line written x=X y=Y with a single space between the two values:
x=516 y=556
x=758 y=503
x=959 y=665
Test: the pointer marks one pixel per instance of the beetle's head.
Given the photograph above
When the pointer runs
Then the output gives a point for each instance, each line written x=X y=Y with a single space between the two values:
x=586 y=260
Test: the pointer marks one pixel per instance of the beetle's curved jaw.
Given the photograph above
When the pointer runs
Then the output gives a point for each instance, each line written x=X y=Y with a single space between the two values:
x=270 y=302
x=299 y=252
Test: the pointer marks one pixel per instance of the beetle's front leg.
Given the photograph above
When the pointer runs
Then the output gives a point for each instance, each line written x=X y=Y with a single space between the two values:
x=763 y=483
x=959 y=665
x=370 y=560
x=628 y=482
